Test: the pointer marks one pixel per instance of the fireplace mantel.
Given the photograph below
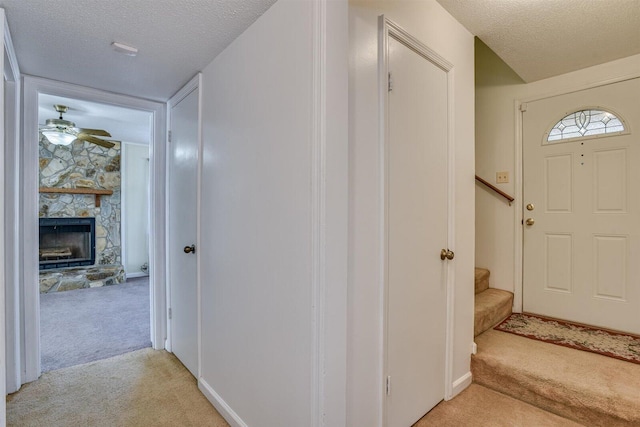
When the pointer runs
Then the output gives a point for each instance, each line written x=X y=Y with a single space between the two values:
x=95 y=191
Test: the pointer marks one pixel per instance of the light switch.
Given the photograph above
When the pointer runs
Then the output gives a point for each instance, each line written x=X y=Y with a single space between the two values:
x=502 y=177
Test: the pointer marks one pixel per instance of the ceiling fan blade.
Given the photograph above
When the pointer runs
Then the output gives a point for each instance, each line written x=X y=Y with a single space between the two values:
x=98 y=132
x=94 y=140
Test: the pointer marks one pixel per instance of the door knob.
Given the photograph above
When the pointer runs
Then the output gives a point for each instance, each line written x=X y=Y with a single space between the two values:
x=530 y=221
x=446 y=253
x=190 y=249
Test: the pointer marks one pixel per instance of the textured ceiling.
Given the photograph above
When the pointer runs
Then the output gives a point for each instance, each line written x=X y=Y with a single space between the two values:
x=70 y=40
x=545 y=38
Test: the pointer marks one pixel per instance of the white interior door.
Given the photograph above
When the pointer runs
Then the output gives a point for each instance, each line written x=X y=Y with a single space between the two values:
x=183 y=179
x=581 y=253
x=5 y=179
x=416 y=206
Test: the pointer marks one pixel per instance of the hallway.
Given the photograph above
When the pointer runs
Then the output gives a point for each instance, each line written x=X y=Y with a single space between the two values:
x=142 y=388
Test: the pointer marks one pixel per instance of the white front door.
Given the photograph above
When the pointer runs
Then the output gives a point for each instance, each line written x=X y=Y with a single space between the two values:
x=183 y=179
x=582 y=250
x=416 y=207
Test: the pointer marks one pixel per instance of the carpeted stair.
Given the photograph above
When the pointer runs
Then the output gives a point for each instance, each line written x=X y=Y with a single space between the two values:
x=590 y=389
x=492 y=305
x=479 y=406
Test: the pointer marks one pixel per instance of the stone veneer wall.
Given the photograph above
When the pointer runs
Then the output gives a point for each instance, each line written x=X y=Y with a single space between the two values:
x=84 y=165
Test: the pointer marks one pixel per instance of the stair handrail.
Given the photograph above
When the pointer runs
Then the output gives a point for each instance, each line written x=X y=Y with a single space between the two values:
x=496 y=189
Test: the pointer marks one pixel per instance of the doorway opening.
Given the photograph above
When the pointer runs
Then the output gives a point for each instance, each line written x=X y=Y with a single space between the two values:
x=23 y=337
x=93 y=209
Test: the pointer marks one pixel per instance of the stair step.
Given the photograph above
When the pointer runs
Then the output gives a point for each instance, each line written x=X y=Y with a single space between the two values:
x=482 y=279
x=481 y=406
x=588 y=388
x=491 y=307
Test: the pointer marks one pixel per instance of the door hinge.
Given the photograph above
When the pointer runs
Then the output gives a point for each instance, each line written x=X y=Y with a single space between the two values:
x=169 y=136
x=390 y=83
x=523 y=107
x=388 y=386
x=169 y=313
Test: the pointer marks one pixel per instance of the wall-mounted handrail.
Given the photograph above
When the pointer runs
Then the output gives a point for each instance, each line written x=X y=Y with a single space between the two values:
x=496 y=189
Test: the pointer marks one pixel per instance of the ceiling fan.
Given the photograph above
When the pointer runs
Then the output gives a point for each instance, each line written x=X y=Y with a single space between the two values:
x=64 y=132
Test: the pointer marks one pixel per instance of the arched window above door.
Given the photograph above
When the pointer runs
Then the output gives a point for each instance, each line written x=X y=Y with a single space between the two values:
x=587 y=123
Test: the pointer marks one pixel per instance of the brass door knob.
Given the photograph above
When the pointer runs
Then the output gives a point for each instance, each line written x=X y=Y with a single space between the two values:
x=190 y=249
x=446 y=253
x=530 y=221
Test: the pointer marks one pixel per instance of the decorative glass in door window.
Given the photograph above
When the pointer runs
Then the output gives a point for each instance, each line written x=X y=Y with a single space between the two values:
x=584 y=124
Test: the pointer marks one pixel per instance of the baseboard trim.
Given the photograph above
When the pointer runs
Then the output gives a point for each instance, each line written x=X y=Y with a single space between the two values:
x=460 y=384
x=134 y=275
x=221 y=406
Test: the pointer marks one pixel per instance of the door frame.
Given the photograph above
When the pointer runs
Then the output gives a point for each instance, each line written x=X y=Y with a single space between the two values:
x=10 y=261
x=195 y=84
x=30 y=307
x=388 y=29
x=520 y=106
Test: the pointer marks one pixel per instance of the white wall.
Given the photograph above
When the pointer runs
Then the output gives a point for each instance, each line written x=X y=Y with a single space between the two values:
x=135 y=207
x=273 y=220
x=432 y=25
x=493 y=214
x=497 y=90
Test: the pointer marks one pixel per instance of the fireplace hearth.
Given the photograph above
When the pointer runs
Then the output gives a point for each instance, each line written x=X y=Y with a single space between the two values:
x=67 y=242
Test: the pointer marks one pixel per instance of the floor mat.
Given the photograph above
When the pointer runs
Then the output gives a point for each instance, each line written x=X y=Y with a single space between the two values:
x=611 y=344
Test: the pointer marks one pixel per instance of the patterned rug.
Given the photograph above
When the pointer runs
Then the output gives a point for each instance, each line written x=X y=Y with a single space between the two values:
x=616 y=345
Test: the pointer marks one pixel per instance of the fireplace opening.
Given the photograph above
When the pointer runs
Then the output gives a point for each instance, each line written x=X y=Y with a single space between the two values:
x=67 y=242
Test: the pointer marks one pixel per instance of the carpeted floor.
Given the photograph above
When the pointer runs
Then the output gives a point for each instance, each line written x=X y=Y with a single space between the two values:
x=142 y=388
x=85 y=325
x=152 y=388
x=478 y=406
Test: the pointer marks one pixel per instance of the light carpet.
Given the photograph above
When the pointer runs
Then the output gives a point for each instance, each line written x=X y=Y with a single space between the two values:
x=617 y=345
x=595 y=390
x=85 y=325
x=478 y=406
x=142 y=388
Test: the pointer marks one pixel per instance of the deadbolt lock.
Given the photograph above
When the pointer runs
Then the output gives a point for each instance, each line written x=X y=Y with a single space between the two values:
x=530 y=207
x=190 y=249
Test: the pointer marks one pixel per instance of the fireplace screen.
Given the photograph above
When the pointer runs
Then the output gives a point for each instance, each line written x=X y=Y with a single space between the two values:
x=67 y=242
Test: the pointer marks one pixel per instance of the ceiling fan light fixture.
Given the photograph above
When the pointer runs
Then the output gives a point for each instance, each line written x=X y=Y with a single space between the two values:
x=64 y=132
x=60 y=124
x=124 y=49
x=57 y=137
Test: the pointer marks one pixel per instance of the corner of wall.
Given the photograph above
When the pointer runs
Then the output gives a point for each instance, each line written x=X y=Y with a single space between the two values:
x=495 y=83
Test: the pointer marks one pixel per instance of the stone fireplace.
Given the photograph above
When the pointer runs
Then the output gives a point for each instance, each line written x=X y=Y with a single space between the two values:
x=79 y=209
